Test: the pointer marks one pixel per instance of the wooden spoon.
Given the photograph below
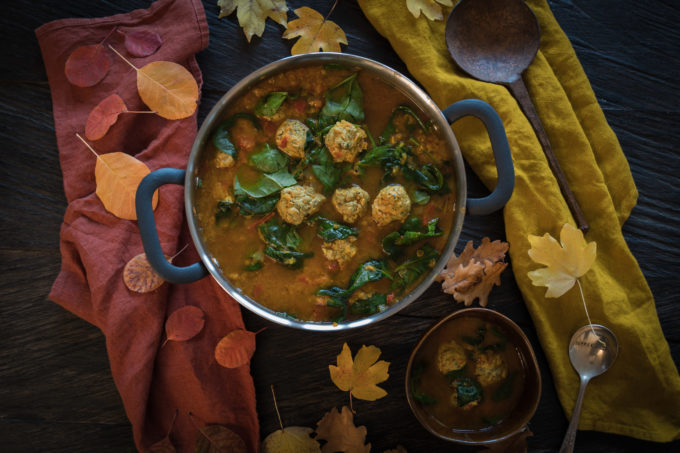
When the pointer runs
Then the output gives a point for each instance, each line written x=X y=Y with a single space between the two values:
x=495 y=41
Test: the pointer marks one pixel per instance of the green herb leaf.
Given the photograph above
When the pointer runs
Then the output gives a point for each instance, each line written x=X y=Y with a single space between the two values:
x=468 y=390
x=289 y=258
x=330 y=230
x=428 y=176
x=418 y=395
x=268 y=159
x=338 y=298
x=409 y=271
x=283 y=242
x=345 y=101
x=420 y=197
x=456 y=374
x=225 y=209
x=493 y=420
x=220 y=137
x=390 y=128
x=270 y=104
x=254 y=261
x=478 y=339
x=268 y=184
x=377 y=302
x=410 y=232
x=325 y=169
x=504 y=390
x=256 y=206
x=370 y=271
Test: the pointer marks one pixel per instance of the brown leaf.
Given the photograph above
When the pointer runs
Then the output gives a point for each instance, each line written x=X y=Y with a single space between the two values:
x=87 y=65
x=514 y=444
x=139 y=276
x=235 y=349
x=338 y=430
x=103 y=116
x=219 y=439
x=184 y=323
x=142 y=43
x=315 y=32
x=473 y=274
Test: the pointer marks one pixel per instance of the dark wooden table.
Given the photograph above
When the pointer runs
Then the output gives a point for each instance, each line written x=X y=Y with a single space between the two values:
x=56 y=392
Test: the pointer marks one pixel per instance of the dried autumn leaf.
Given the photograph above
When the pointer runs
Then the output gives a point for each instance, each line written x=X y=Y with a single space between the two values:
x=142 y=43
x=473 y=274
x=162 y=446
x=139 y=276
x=103 y=116
x=252 y=14
x=430 y=8
x=219 y=439
x=566 y=261
x=291 y=439
x=235 y=349
x=87 y=65
x=315 y=32
x=338 y=430
x=117 y=176
x=184 y=323
x=361 y=375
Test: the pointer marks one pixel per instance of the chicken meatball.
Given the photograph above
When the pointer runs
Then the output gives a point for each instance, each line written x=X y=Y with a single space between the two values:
x=345 y=140
x=391 y=203
x=341 y=250
x=451 y=357
x=298 y=202
x=291 y=137
x=490 y=368
x=351 y=203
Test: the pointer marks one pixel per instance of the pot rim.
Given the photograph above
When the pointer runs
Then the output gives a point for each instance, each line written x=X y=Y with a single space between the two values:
x=388 y=75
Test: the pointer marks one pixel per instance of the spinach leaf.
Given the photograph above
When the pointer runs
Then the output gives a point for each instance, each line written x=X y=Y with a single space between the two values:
x=370 y=271
x=266 y=185
x=493 y=420
x=268 y=159
x=428 y=176
x=478 y=339
x=254 y=261
x=338 y=298
x=256 y=206
x=390 y=128
x=325 y=169
x=410 y=232
x=225 y=209
x=289 y=258
x=345 y=101
x=420 y=197
x=409 y=271
x=468 y=391
x=330 y=230
x=335 y=66
x=456 y=374
x=504 y=390
x=373 y=304
x=283 y=243
x=220 y=137
x=417 y=394
x=268 y=105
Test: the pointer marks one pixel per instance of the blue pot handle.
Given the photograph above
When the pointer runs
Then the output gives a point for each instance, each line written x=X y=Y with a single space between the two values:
x=501 y=153
x=147 y=228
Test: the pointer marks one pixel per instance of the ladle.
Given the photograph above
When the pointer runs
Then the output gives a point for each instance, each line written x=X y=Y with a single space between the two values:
x=592 y=350
x=495 y=41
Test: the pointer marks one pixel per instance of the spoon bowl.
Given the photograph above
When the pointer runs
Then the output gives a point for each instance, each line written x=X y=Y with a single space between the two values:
x=592 y=351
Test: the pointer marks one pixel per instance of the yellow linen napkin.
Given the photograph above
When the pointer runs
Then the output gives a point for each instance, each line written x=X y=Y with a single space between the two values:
x=640 y=395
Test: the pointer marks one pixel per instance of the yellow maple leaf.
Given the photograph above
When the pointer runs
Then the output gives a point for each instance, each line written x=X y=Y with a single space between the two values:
x=430 y=8
x=337 y=428
x=361 y=375
x=291 y=439
x=566 y=260
x=315 y=32
x=252 y=14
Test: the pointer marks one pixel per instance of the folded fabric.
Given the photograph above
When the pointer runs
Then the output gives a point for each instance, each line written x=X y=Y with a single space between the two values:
x=156 y=383
x=640 y=395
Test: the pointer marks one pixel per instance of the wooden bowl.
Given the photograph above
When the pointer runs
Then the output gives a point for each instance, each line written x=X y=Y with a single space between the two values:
x=529 y=394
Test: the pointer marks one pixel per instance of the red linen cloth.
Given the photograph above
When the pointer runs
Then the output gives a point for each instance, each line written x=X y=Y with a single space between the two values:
x=181 y=377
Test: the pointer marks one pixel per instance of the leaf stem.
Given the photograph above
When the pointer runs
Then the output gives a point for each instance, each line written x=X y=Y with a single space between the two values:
x=176 y=254
x=107 y=36
x=93 y=151
x=585 y=307
x=124 y=59
x=138 y=111
x=276 y=407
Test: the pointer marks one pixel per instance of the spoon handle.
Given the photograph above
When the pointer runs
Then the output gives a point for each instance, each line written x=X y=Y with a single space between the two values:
x=519 y=91
x=570 y=436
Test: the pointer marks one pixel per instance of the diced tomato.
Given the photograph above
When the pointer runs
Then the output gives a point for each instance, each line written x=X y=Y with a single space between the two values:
x=390 y=298
x=333 y=266
x=257 y=291
x=284 y=142
x=245 y=143
x=299 y=105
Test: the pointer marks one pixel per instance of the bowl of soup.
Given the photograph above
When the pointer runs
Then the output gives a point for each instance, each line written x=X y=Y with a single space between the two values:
x=325 y=191
x=473 y=378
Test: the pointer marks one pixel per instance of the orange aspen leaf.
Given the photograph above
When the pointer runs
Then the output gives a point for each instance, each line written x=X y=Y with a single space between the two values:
x=167 y=88
x=429 y=8
x=252 y=14
x=360 y=375
x=184 y=324
x=315 y=32
x=142 y=43
x=236 y=348
x=337 y=428
x=117 y=176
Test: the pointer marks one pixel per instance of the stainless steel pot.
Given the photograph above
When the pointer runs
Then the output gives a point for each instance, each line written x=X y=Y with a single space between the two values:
x=442 y=119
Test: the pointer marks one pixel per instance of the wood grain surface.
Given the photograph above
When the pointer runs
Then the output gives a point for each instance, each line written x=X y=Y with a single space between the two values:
x=56 y=391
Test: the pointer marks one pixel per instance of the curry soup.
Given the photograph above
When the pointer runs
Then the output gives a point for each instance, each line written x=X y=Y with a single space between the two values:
x=467 y=376
x=324 y=195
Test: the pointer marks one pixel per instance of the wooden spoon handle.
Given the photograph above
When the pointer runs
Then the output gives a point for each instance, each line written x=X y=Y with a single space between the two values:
x=519 y=91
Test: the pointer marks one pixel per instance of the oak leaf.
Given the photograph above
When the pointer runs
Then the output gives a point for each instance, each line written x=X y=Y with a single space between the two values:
x=184 y=323
x=87 y=65
x=473 y=274
x=219 y=439
x=429 y=8
x=315 y=32
x=361 y=375
x=142 y=43
x=291 y=439
x=338 y=430
x=235 y=349
x=252 y=14
x=139 y=276
x=103 y=116
x=566 y=260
